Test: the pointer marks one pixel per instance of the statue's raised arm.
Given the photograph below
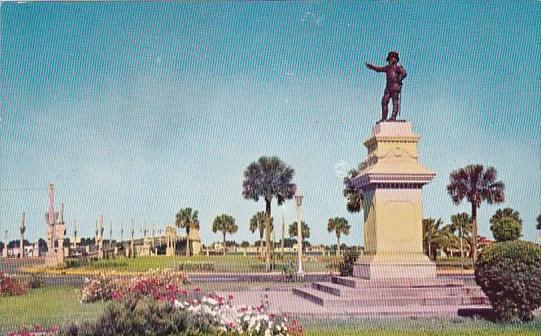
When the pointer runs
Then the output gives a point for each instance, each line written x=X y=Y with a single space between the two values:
x=395 y=73
x=376 y=68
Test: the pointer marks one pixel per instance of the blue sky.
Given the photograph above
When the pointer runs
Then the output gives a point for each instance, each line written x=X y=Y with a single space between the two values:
x=135 y=110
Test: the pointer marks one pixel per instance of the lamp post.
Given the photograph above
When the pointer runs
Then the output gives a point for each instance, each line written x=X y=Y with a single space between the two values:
x=298 y=202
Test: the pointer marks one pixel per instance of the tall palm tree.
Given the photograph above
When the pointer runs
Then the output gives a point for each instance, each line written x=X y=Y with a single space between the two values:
x=340 y=226
x=475 y=184
x=354 y=198
x=225 y=224
x=188 y=219
x=268 y=178
x=432 y=235
x=461 y=224
x=257 y=222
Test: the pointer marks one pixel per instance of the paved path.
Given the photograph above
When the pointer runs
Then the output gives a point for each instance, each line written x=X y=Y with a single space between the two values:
x=297 y=307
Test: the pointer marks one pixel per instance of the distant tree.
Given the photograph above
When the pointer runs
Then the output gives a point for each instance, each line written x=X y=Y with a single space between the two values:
x=340 y=226
x=461 y=225
x=475 y=184
x=354 y=198
x=257 y=223
x=42 y=245
x=289 y=242
x=225 y=224
x=187 y=219
x=506 y=229
x=432 y=235
x=268 y=178
x=245 y=244
x=506 y=212
x=539 y=222
x=304 y=227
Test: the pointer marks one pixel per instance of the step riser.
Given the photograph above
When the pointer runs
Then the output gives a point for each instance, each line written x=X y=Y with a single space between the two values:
x=391 y=301
x=358 y=283
x=394 y=292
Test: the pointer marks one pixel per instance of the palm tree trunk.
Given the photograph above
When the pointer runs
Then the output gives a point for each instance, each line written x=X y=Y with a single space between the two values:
x=474 y=230
x=267 y=235
x=224 y=241
x=338 y=242
x=187 y=241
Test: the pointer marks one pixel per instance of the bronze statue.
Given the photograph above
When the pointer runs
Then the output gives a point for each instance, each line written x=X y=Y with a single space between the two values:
x=395 y=74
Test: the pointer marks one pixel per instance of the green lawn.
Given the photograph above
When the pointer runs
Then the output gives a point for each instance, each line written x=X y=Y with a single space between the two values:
x=45 y=307
x=227 y=263
x=422 y=327
x=58 y=306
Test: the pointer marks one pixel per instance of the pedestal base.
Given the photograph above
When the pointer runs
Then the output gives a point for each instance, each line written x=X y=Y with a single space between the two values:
x=401 y=267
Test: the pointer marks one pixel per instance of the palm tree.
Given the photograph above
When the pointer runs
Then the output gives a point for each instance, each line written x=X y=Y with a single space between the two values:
x=354 y=198
x=268 y=177
x=475 y=184
x=503 y=213
x=461 y=223
x=225 y=224
x=432 y=235
x=293 y=230
x=340 y=226
x=257 y=222
x=187 y=219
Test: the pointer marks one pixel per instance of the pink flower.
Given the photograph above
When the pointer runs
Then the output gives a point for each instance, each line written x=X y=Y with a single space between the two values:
x=115 y=296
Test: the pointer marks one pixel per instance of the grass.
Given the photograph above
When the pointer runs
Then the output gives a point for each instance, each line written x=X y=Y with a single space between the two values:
x=422 y=327
x=227 y=263
x=59 y=306
x=45 y=307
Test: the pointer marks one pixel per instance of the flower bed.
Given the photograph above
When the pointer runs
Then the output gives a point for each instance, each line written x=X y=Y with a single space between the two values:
x=157 y=284
x=240 y=320
x=12 y=286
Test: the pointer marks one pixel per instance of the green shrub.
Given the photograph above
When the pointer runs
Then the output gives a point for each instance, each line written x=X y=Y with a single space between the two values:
x=510 y=275
x=196 y=267
x=349 y=259
x=506 y=229
x=142 y=317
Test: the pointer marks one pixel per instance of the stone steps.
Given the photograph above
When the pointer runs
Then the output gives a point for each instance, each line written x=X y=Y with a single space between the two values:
x=358 y=293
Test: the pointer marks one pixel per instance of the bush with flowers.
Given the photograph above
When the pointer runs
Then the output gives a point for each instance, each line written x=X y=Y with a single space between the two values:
x=158 y=284
x=11 y=286
x=240 y=320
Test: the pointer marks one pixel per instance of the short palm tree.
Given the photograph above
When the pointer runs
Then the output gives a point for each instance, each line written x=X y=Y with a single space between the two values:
x=225 y=224
x=340 y=226
x=305 y=230
x=268 y=178
x=475 y=184
x=187 y=219
x=461 y=224
x=257 y=223
x=432 y=235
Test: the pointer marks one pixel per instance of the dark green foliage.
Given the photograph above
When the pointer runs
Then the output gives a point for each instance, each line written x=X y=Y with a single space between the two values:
x=349 y=259
x=510 y=275
x=190 y=266
x=142 y=317
x=506 y=228
x=539 y=222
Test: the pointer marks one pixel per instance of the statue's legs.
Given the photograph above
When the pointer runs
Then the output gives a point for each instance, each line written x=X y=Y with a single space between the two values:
x=396 y=104
x=385 y=104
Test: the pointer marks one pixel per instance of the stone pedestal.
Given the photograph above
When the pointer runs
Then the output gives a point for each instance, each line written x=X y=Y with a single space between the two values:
x=391 y=180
